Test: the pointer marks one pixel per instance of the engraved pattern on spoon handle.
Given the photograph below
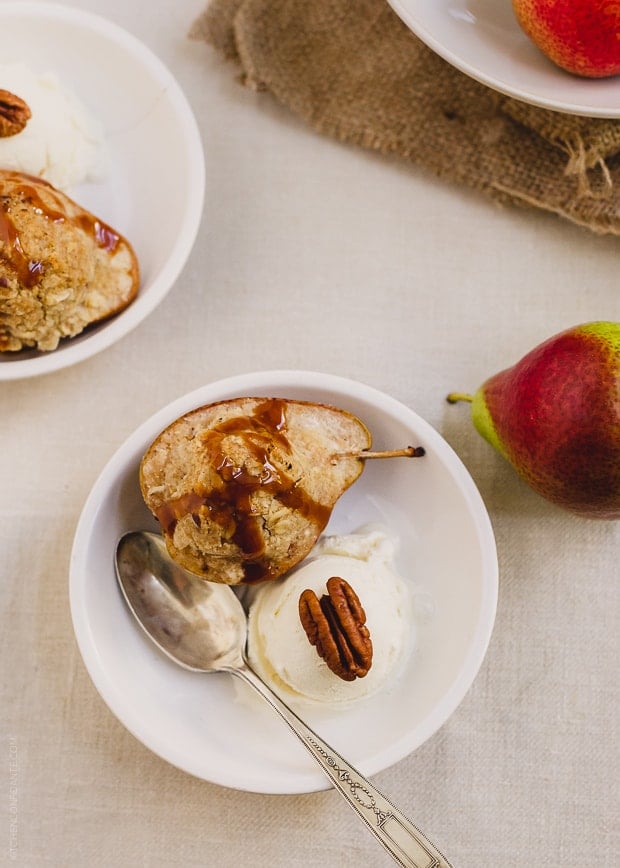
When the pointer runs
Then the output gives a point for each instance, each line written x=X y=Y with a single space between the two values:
x=405 y=842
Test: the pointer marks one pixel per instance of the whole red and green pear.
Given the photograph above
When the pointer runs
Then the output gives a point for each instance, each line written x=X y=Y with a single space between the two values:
x=555 y=416
x=581 y=36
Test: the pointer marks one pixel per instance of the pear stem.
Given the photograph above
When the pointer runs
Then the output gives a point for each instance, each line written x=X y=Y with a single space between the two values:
x=408 y=452
x=454 y=397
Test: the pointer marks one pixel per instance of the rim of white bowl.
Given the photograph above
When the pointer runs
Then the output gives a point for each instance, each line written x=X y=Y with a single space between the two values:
x=498 y=83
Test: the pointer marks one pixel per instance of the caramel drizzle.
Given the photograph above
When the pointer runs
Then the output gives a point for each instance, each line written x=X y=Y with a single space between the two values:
x=30 y=271
x=230 y=505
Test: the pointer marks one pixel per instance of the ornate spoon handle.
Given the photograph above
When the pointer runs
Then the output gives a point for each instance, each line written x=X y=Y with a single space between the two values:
x=404 y=841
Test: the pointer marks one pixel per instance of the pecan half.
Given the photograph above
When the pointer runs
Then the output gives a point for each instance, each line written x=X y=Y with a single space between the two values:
x=14 y=114
x=336 y=626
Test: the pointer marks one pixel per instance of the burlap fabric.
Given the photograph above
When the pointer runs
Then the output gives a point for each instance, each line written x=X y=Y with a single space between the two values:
x=354 y=71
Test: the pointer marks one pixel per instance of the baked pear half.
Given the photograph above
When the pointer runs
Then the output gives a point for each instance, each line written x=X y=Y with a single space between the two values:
x=243 y=488
x=61 y=267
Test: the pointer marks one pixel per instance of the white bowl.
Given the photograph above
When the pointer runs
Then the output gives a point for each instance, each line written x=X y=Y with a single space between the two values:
x=195 y=721
x=153 y=188
x=484 y=40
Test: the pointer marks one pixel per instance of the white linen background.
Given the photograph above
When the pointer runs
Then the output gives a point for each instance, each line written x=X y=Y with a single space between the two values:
x=317 y=256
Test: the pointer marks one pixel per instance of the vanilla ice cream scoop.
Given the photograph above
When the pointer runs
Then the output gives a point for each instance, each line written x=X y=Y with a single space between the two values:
x=61 y=142
x=278 y=647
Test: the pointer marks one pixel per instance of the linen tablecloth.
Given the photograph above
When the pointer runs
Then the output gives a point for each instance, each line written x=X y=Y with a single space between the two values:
x=319 y=256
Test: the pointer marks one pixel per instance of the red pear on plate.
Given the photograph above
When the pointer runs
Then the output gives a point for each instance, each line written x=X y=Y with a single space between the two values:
x=555 y=416
x=580 y=36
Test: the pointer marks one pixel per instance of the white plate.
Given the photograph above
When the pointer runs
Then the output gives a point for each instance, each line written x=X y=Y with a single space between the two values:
x=483 y=39
x=153 y=189
x=195 y=721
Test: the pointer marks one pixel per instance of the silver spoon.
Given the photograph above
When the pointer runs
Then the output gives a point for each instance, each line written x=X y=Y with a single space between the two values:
x=202 y=626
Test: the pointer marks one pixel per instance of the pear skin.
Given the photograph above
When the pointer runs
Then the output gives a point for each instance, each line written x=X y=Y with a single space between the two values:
x=555 y=416
x=580 y=36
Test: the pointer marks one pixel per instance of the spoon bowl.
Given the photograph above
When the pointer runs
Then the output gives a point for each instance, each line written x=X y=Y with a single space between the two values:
x=198 y=624
x=202 y=626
